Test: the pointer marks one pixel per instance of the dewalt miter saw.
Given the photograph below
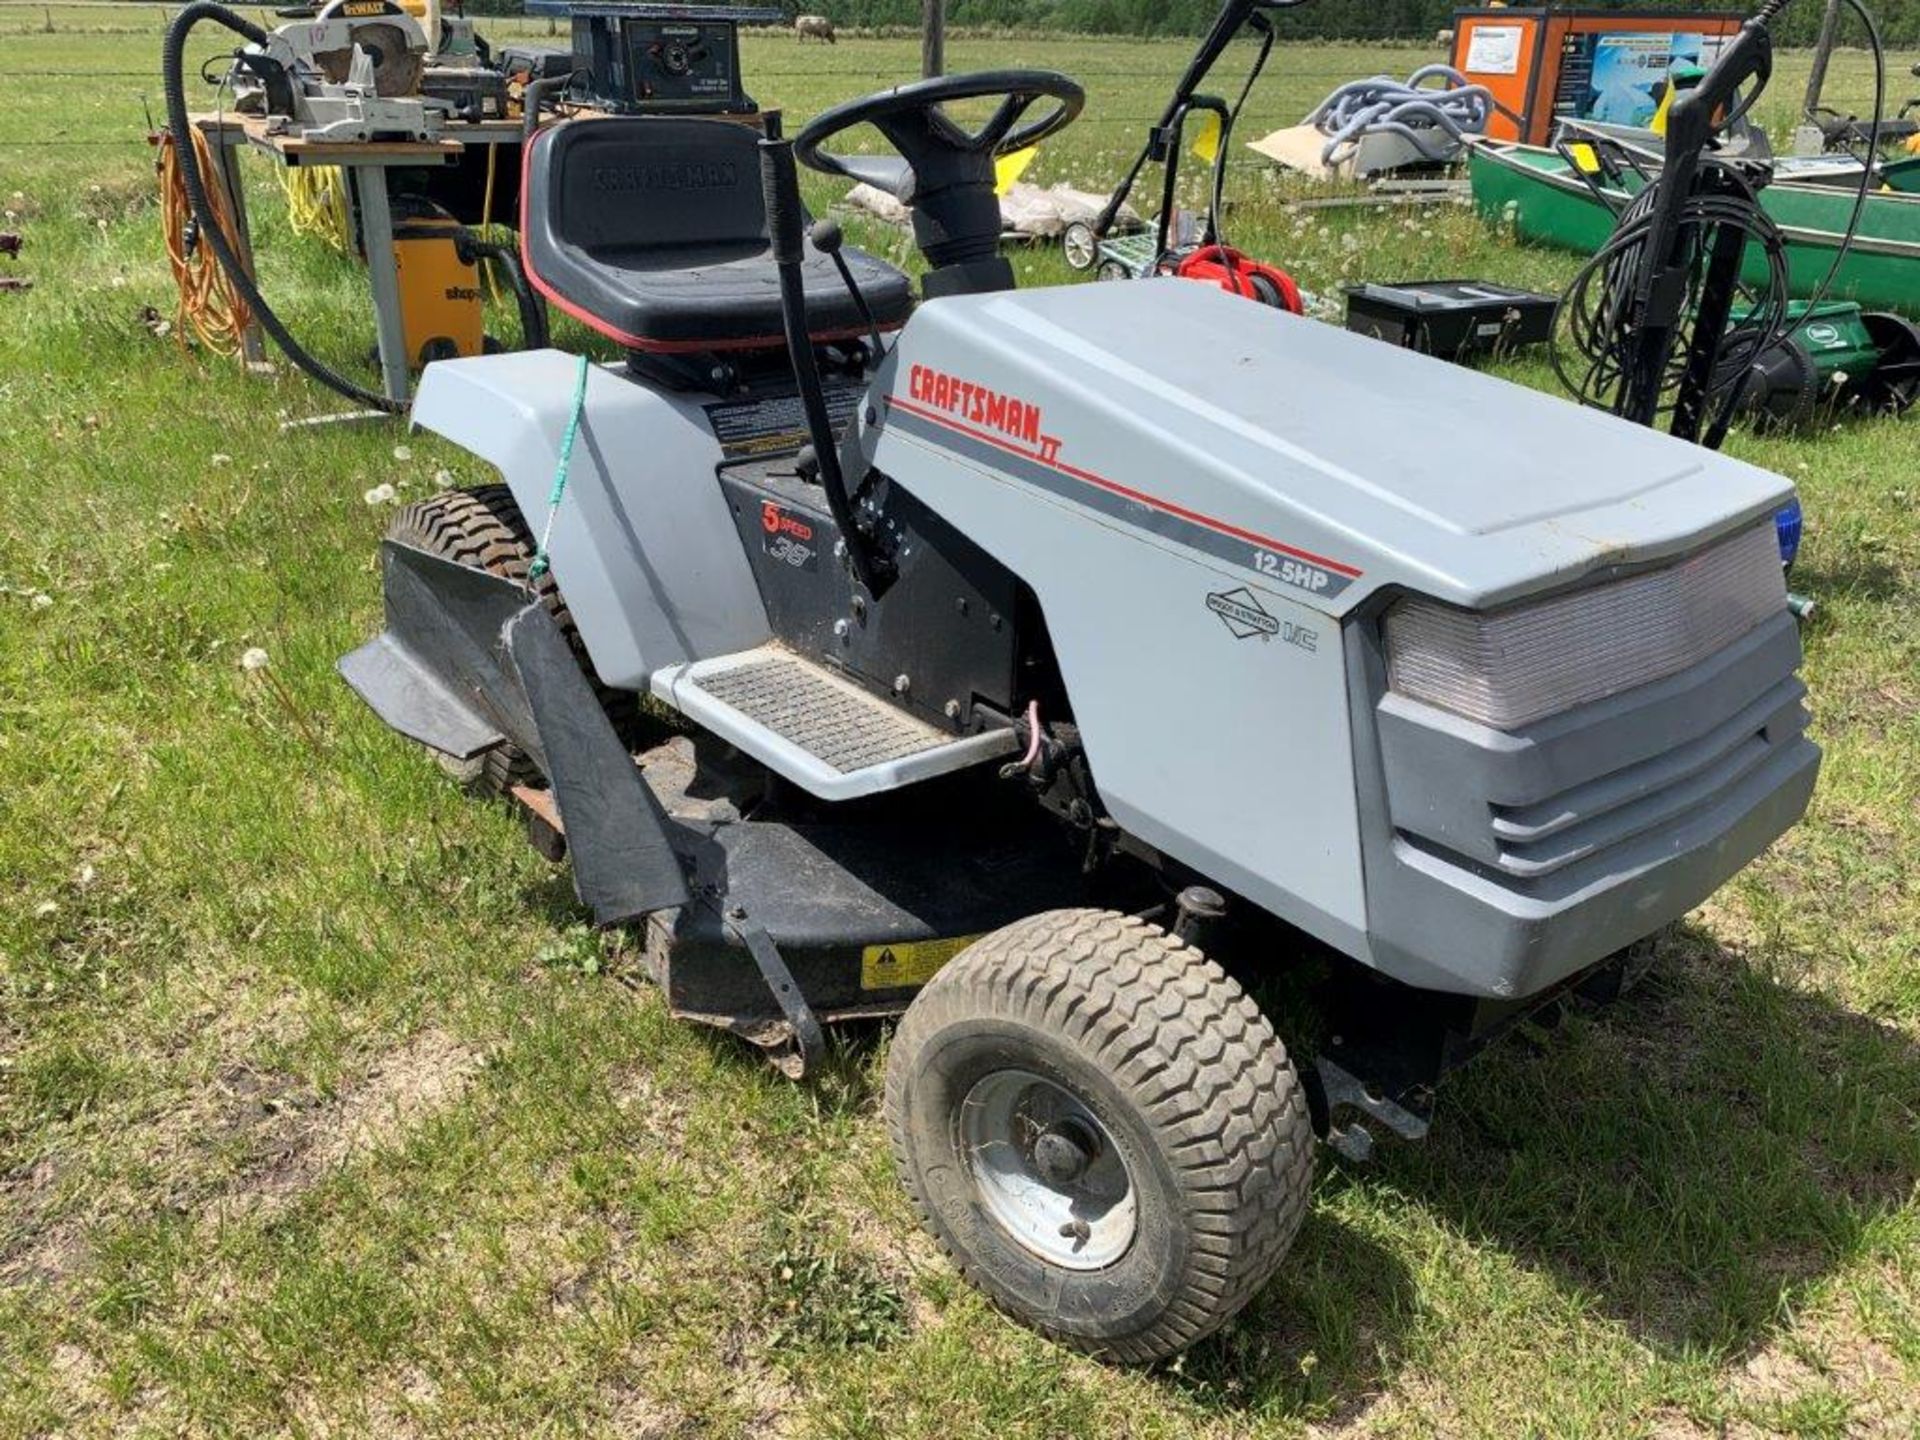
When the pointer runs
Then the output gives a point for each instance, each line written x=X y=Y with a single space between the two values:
x=351 y=72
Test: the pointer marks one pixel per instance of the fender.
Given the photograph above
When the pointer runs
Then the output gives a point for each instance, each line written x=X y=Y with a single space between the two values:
x=651 y=564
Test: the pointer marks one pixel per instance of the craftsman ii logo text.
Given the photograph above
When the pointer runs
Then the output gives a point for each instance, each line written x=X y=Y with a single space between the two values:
x=977 y=405
x=620 y=178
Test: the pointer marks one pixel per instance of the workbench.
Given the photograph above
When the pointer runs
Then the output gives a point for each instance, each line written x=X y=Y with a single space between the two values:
x=366 y=165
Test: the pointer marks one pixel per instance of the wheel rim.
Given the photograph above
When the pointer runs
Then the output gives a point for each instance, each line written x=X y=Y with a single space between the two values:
x=1078 y=242
x=1047 y=1171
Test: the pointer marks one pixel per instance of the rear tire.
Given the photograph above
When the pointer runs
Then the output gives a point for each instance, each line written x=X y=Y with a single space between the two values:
x=483 y=528
x=1102 y=1130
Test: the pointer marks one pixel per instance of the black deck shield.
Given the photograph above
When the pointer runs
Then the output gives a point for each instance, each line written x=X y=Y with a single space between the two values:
x=467 y=661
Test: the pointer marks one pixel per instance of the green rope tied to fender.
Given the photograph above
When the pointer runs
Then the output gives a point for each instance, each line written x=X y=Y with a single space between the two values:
x=572 y=433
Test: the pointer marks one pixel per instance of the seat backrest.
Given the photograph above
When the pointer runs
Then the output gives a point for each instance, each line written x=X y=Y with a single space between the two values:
x=645 y=182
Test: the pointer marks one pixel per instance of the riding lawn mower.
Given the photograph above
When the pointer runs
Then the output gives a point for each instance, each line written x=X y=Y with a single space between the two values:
x=1057 y=669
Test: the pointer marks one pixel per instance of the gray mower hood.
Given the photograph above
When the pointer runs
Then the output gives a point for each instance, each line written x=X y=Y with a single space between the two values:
x=1333 y=463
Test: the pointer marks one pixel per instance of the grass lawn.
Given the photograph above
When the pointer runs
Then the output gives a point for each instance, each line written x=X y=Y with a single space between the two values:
x=321 y=1114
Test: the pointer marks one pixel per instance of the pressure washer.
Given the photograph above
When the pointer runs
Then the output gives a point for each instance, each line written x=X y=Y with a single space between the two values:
x=1658 y=325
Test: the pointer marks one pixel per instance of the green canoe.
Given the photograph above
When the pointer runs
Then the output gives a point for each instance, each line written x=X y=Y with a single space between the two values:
x=1536 y=192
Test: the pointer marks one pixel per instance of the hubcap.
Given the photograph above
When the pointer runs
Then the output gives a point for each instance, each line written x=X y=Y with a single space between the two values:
x=1079 y=246
x=1047 y=1170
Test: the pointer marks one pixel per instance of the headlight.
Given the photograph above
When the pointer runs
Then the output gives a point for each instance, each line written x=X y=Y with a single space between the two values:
x=1508 y=668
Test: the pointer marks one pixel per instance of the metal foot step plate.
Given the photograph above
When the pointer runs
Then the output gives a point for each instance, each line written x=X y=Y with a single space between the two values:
x=823 y=733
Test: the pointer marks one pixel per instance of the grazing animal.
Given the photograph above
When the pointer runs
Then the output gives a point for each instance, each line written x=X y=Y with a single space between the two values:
x=817 y=27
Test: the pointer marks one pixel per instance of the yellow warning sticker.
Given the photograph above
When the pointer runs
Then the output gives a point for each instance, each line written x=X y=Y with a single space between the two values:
x=909 y=964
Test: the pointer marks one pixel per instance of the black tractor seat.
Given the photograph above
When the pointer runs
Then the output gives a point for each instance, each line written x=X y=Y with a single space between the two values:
x=653 y=230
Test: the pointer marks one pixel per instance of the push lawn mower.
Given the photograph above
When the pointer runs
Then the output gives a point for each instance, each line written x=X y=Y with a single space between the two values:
x=1056 y=667
x=1178 y=244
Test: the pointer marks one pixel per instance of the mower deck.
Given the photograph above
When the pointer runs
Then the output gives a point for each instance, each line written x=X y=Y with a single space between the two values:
x=860 y=909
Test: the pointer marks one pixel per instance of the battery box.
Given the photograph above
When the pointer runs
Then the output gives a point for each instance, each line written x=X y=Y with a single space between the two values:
x=1452 y=319
x=526 y=62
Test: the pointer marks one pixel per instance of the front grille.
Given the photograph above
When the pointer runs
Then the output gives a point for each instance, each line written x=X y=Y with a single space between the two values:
x=1604 y=788
x=1584 y=821
x=1509 y=668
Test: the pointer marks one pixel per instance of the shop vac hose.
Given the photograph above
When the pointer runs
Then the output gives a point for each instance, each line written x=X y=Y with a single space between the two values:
x=172 y=77
x=533 y=310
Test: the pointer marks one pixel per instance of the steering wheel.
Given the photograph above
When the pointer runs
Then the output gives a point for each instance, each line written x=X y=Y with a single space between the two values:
x=942 y=170
x=932 y=146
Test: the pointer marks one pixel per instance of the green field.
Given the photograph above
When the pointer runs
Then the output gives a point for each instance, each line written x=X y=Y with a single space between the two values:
x=321 y=1114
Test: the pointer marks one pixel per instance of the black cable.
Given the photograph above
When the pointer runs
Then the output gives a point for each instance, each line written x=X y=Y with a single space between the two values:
x=1600 y=330
x=1217 y=213
x=172 y=56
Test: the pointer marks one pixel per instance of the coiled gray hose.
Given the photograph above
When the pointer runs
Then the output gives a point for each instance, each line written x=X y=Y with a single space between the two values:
x=1433 y=121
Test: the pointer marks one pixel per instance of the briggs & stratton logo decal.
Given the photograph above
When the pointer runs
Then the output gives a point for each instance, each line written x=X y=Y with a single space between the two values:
x=1241 y=612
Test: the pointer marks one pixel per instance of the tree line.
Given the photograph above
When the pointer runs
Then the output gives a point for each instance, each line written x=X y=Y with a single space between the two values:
x=1899 y=20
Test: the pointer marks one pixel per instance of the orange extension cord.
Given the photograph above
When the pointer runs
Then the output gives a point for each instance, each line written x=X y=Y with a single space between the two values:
x=208 y=302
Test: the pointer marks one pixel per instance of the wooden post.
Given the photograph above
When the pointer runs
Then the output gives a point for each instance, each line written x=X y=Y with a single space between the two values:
x=1822 y=53
x=933 y=38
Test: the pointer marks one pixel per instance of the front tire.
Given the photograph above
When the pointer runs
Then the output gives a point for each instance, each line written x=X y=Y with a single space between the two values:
x=1102 y=1130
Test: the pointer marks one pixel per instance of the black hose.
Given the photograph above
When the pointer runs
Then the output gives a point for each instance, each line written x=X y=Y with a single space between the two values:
x=171 y=73
x=534 y=95
x=1594 y=314
x=533 y=309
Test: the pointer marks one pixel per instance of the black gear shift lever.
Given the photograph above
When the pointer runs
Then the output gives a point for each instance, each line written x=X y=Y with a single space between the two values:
x=827 y=238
